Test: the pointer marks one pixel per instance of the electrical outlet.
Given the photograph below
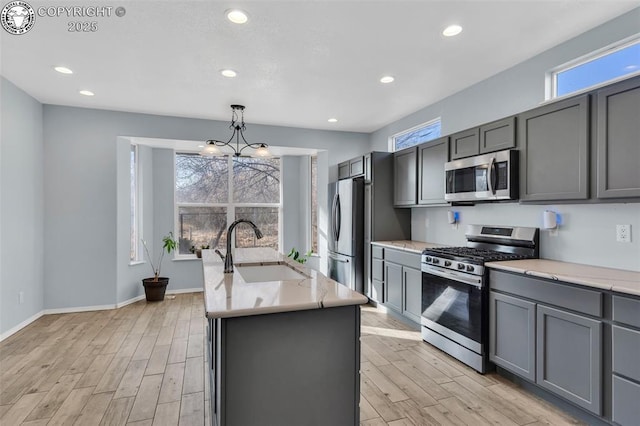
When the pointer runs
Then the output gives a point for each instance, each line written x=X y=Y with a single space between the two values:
x=21 y=297
x=623 y=233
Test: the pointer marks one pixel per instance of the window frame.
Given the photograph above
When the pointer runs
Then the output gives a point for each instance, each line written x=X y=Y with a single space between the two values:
x=392 y=138
x=551 y=76
x=230 y=205
x=135 y=205
x=313 y=235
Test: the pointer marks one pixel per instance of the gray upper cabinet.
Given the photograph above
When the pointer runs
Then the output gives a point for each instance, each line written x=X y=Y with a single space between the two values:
x=617 y=139
x=512 y=335
x=568 y=356
x=490 y=137
x=356 y=166
x=431 y=158
x=343 y=170
x=498 y=135
x=554 y=143
x=465 y=144
x=405 y=176
x=351 y=168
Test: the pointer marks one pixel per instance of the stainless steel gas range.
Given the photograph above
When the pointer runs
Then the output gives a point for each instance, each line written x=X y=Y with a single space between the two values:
x=455 y=290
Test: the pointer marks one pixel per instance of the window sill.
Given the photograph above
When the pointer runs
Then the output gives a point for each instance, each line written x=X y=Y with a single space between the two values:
x=137 y=262
x=185 y=258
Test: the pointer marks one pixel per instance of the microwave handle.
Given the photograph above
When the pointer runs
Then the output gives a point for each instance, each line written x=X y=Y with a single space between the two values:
x=491 y=175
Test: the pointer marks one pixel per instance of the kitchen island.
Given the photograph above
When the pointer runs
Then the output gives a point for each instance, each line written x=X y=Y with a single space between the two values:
x=284 y=342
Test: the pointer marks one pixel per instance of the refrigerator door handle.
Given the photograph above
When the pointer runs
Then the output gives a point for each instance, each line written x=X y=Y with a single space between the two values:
x=337 y=259
x=338 y=215
x=334 y=208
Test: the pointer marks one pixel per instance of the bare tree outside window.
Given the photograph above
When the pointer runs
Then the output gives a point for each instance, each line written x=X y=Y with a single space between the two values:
x=256 y=180
x=202 y=179
x=205 y=207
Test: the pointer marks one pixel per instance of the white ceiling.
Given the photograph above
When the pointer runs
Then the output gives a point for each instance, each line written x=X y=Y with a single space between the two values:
x=298 y=62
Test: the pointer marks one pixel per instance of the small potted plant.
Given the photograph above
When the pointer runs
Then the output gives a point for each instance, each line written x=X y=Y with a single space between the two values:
x=155 y=287
x=198 y=252
x=295 y=255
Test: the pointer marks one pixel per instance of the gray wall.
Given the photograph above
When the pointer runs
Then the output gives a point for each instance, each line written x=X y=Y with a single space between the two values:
x=512 y=91
x=21 y=207
x=588 y=235
x=85 y=208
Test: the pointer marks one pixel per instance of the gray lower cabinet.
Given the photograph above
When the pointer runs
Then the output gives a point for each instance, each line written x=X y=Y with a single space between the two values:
x=431 y=159
x=405 y=177
x=411 y=293
x=618 y=150
x=401 y=281
x=512 y=336
x=393 y=285
x=557 y=347
x=554 y=144
x=377 y=275
x=625 y=350
x=568 y=356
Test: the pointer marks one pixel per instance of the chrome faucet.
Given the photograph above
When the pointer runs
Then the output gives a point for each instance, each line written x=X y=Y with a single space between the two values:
x=228 y=258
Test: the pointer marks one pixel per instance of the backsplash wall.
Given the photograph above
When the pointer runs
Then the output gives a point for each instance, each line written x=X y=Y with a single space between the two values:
x=587 y=234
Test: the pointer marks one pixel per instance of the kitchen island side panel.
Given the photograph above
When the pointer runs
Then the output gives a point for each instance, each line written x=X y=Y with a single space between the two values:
x=291 y=368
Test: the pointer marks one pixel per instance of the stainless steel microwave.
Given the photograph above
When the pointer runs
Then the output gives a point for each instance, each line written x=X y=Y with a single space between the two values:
x=487 y=177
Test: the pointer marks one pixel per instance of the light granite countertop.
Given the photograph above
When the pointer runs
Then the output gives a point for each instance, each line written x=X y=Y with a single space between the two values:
x=617 y=280
x=229 y=295
x=407 y=245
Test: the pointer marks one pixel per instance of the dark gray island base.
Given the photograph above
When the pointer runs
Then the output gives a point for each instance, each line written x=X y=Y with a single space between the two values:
x=291 y=368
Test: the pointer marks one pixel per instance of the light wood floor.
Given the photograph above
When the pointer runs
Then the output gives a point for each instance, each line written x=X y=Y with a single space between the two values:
x=144 y=364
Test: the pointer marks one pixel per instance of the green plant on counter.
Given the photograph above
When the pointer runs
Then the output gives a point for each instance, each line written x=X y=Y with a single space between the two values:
x=295 y=255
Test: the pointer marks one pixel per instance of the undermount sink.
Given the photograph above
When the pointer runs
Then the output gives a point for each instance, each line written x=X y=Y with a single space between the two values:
x=265 y=273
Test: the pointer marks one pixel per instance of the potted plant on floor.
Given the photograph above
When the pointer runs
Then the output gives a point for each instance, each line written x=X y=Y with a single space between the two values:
x=155 y=287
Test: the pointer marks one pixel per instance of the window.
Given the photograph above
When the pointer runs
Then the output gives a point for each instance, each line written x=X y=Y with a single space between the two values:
x=608 y=64
x=136 y=225
x=314 y=204
x=212 y=192
x=416 y=135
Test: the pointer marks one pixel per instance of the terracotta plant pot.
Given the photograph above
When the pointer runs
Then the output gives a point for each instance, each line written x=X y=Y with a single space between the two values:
x=154 y=290
x=199 y=253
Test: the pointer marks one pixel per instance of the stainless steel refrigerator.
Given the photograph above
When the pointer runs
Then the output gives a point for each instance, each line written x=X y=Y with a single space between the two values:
x=346 y=233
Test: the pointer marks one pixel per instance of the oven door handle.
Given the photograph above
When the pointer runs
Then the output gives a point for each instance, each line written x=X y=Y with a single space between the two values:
x=473 y=280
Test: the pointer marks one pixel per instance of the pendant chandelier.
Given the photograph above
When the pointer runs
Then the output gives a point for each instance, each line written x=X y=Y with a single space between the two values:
x=237 y=125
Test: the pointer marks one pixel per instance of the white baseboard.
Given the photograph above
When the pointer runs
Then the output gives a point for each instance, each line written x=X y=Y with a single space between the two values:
x=186 y=290
x=130 y=301
x=28 y=321
x=20 y=326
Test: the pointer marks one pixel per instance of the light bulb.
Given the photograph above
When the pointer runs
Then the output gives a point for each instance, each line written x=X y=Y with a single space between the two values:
x=262 y=151
x=210 y=150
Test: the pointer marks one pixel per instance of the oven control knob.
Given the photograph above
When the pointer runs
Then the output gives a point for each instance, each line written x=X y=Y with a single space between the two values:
x=447 y=263
x=436 y=260
x=427 y=259
x=470 y=268
x=460 y=265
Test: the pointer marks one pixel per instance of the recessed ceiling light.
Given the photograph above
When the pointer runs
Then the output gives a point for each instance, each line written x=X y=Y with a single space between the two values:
x=228 y=73
x=63 y=70
x=87 y=92
x=452 y=30
x=332 y=120
x=200 y=146
x=387 y=79
x=237 y=16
